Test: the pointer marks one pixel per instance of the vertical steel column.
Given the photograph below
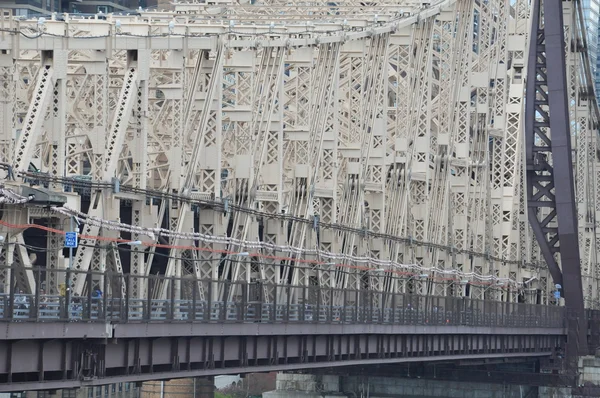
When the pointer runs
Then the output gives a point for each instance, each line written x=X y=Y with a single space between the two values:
x=548 y=159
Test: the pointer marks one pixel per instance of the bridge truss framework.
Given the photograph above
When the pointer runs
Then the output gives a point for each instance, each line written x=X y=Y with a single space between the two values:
x=339 y=145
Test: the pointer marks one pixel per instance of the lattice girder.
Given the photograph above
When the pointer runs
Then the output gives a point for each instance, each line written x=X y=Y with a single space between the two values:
x=401 y=127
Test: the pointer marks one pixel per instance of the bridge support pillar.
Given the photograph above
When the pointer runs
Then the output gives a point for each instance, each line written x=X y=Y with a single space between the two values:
x=200 y=387
x=291 y=385
x=588 y=384
x=313 y=386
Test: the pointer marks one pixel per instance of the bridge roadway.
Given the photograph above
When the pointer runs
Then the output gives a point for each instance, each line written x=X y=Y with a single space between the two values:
x=51 y=342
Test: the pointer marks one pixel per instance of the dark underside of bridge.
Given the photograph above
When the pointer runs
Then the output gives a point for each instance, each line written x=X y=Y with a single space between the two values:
x=54 y=355
x=540 y=371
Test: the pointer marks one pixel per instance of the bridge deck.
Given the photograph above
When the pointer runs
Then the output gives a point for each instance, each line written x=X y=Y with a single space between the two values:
x=49 y=341
x=144 y=351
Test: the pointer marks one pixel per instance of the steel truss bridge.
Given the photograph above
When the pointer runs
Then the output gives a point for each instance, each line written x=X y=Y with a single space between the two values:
x=444 y=149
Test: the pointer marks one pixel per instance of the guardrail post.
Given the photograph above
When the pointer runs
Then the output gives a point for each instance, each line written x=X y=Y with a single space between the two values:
x=88 y=307
x=393 y=308
x=208 y=311
x=357 y=305
x=244 y=301
x=343 y=316
x=330 y=305
x=171 y=314
x=68 y=293
x=317 y=316
x=126 y=298
x=369 y=307
x=222 y=315
x=102 y=305
x=192 y=316
x=416 y=309
x=149 y=292
x=287 y=308
x=11 y=293
x=302 y=309
x=36 y=307
x=573 y=348
x=383 y=296
x=275 y=304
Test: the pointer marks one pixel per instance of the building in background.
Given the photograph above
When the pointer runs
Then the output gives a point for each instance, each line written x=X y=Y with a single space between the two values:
x=30 y=8
x=105 y=6
x=595 y=58
x=116 y=390
x=591 y=14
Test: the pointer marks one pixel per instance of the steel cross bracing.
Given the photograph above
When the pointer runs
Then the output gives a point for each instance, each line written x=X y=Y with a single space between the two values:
x=387 y=121
x=555 y=209
x=113 y=147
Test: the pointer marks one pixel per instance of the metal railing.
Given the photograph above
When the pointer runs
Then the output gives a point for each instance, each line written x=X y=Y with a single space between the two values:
x=192 y=300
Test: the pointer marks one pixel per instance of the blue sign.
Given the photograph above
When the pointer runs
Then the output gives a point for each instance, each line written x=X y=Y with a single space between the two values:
x=71 y=239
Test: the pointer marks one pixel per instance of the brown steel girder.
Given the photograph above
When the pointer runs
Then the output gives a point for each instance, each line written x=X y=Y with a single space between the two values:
x=550 y=180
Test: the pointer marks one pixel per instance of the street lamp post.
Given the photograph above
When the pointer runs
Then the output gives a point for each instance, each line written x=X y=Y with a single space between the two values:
x=70 y=266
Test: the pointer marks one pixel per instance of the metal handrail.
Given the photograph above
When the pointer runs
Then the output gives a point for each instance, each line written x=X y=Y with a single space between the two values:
x=193 y=300
x=54 y=308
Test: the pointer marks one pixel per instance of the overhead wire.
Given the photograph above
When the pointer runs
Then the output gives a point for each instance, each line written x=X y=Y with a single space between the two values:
x=225 y=207
x=11 y=197
x=224 y=254
x=392 y=267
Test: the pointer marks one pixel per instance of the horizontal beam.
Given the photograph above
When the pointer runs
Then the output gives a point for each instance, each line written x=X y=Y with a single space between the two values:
x=198 y=36
x=94 y=361
x=158 y=330
x=63 y=384
x=60 y=330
